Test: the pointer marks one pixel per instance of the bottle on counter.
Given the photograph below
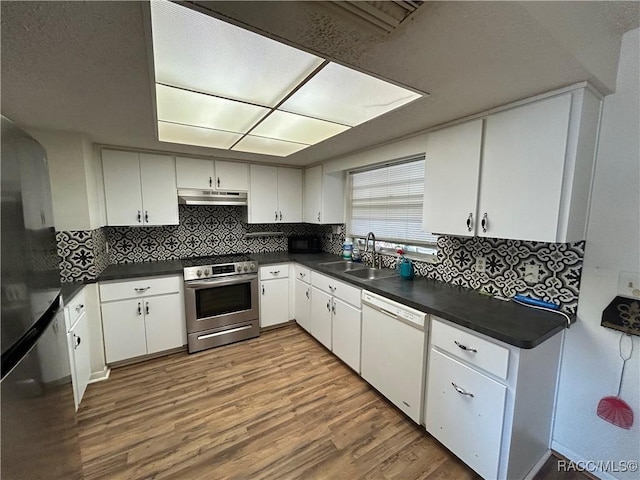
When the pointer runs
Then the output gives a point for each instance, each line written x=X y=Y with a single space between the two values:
x=355 y=254
x=399 y=258
x=347 y=249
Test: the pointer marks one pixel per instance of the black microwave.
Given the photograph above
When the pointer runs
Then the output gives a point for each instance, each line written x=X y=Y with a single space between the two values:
x=304 y=244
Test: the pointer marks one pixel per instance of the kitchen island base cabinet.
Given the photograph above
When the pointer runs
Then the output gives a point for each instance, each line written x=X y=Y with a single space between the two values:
x=142 y=317
x=499 y=424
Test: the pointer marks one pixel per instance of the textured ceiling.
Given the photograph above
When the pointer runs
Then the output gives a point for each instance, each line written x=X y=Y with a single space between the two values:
x=83 y=66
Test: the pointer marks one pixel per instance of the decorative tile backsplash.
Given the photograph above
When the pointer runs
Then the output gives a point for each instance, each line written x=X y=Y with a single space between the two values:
x=83 y=254
x=218 y=230
x=559 y=267
x=208 y=230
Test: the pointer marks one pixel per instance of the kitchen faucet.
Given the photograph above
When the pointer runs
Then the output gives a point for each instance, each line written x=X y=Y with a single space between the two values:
x=372 y=237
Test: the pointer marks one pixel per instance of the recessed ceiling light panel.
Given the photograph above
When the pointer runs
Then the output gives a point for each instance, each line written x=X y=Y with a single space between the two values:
x=296 y=128
x=202 y=137
x=202 y=53
x=340 y=94
x=268 y=146
x=200 y=110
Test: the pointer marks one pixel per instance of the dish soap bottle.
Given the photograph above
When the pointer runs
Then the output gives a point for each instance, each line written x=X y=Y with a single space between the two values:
x=347 y=248
x=355 y=254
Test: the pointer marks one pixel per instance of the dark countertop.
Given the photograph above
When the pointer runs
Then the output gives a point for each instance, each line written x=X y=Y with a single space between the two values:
x=68 y=290
x=509 y=322
x=140 y=269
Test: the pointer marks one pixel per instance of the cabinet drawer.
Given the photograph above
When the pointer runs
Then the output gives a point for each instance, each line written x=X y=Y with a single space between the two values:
x=477 y=351
x=302 y=273
x=279 y=270
x=465 y=411
x=74 y=309
x=140 y=287
x=334 y=287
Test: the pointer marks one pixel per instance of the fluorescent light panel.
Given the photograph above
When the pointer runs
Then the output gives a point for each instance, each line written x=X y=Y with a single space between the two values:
x=220 y=86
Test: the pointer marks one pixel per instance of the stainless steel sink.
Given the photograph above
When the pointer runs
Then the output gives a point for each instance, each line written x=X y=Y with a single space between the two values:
x=371 y=273
x=342 y=266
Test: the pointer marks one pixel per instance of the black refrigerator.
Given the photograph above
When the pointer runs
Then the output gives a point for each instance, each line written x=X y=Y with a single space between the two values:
x=38 y=424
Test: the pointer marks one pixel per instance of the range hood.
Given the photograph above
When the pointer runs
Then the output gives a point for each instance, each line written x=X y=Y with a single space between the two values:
x=189 y=196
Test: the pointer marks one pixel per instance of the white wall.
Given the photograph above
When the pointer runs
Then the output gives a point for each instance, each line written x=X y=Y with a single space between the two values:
x=591 y=364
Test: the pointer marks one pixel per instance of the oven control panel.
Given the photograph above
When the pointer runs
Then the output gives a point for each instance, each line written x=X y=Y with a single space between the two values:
x=223 y=270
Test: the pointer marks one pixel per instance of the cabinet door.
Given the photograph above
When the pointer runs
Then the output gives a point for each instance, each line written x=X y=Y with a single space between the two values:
x=122 y=188
x=452 y=172
x=263 y=194
x=522 y=170
x=232 y=176
x=159 y=192
x=164 y=322
x=274 y=302
x=312 y=194
x=194 y=173
x=303 y=304
x=346 y=333
x=321 y=316
x=467 y=420
x=289 y=195
x=124 y=330
x=81 y=356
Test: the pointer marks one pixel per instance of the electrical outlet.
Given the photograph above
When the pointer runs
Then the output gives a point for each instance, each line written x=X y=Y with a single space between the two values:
x=481 y=264
x=629 y=284
x=531 y=273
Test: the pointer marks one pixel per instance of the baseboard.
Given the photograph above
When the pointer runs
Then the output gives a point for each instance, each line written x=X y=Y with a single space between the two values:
x=538 y=465
x=100 y=376
x=563 y=452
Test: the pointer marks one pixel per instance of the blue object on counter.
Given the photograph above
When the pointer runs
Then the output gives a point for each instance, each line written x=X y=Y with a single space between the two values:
x=535 y=302
x=406 y=269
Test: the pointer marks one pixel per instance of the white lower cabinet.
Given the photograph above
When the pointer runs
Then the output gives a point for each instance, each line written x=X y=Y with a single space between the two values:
x=335 y=319
x=274 y=294
x=142 y=316
x=466 y=413
x=302 y=297
x=77 y=327
x=488 y=402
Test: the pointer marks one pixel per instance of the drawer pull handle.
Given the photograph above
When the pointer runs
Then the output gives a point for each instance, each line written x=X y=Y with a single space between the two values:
x=277 y=272
x=78 y=340
x=461 y=391
x=485 y=222
x=79 y=307
x=333 y=307
x=328 y=306
x=333 y=289
x=388 y=313
x=140 y=290
x=465 y=348
x=302 y=275
x=139 y=308
x=146 y=308
x=307 y=293
x=224 y=332
x=470 y=222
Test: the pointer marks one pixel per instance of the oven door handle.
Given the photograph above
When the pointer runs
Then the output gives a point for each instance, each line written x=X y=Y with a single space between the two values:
x=219 y=282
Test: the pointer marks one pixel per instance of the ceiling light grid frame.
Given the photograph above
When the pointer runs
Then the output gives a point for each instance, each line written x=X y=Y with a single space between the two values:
x=246 y=92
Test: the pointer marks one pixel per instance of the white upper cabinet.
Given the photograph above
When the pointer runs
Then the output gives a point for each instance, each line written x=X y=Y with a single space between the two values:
x=323 y=196
x=452 y=160
x=232 y=176
x=140 y=189
x=194 y=173
x=209 y=174
x=527 y=177
x=275 y=195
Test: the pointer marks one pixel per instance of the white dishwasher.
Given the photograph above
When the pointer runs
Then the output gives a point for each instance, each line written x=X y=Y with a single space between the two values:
x=394 y=352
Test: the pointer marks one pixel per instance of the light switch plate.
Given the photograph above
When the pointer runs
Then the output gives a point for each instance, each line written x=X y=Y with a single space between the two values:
x=629 y=284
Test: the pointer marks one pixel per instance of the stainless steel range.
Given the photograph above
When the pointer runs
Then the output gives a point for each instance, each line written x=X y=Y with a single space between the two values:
x=221 y=300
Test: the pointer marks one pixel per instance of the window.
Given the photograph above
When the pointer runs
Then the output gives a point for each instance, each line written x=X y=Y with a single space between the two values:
x=387 y=200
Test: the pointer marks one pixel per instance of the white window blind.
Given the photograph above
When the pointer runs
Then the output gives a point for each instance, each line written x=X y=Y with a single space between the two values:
x=388 y=202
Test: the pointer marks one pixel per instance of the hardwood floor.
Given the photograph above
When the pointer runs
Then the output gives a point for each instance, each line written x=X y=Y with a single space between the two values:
x=276 y=407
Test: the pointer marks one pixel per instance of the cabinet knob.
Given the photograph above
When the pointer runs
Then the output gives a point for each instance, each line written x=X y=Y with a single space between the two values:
x=462 y=391
x=470 y=222
x=464 y=347
x=485 y=222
